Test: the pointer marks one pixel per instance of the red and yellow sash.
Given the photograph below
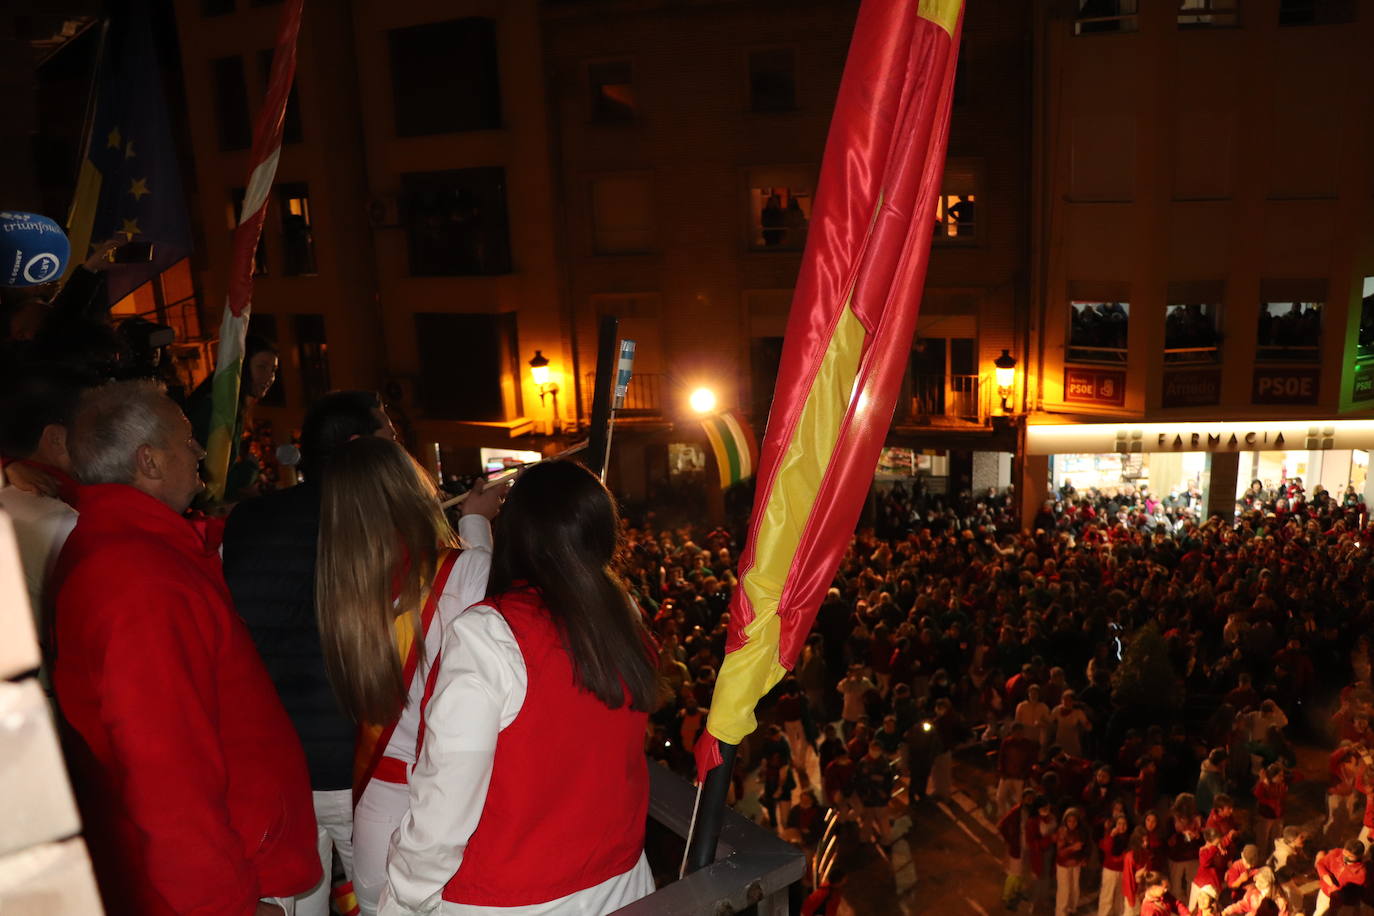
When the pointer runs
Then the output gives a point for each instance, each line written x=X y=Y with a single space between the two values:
x=369 y=755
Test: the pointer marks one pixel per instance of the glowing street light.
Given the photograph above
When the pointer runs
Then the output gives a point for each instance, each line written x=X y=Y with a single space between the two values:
x=1004 y=368
x=702 y=400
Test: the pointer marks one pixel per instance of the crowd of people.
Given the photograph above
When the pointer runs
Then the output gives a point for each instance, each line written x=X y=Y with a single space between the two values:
x=1136 y=686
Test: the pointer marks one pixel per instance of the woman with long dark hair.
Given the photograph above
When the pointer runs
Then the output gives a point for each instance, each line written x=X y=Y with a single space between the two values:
x=389 y=573
x=531 y=786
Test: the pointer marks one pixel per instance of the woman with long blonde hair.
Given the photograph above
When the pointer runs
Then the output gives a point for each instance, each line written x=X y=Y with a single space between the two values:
x=389 y=572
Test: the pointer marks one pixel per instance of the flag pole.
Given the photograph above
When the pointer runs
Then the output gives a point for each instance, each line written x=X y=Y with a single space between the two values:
x=709 y=817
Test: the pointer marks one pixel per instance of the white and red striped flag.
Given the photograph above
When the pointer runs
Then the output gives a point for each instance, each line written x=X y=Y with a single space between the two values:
x=239 y=303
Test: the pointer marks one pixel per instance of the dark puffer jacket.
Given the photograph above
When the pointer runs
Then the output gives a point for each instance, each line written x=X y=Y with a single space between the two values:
x=269 y=563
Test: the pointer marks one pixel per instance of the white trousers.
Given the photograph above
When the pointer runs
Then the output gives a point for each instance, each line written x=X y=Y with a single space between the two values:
x=379 y=813
x=1008 y=794
x=334 y=826
x=1066 y=889
x=1109 y=899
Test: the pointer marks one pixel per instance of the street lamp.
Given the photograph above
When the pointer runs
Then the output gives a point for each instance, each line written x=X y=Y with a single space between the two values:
x=702 y=400
x=539 y=373
x=1005 y=370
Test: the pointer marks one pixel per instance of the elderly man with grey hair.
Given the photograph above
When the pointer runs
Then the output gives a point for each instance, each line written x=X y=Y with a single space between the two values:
x=191 y=780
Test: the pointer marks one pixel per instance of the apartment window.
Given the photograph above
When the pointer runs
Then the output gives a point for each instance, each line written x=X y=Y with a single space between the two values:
x=291 y=125
x=612 y=90
x=216 y=7
x=456 y=222
x=484 y=385
x=231 y=103
x=444 y=77
x=1289 y=332
x=1316 y=12
x=312 y=351
x=1206 y=14
x=944 y=377
x=773 y=79
x=1190 y=333
x=1098 y=332
x=1365 y=347
x=622 y=215
x=780 y=203
x=235 y=210
x=297 y=238
x=1097 y=17
x=956 y=208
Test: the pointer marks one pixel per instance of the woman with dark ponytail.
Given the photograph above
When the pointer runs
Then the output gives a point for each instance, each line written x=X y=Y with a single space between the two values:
x=531 y=787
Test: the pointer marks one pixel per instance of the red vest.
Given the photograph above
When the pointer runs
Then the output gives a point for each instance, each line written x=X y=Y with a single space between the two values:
x=569 y=789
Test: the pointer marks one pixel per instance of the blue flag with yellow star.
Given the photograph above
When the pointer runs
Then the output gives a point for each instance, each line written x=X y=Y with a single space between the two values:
x=130 y=184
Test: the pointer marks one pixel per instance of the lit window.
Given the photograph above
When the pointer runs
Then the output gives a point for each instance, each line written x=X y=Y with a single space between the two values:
x=1190 y=333
x=1098 y=332
x=956 y=208
x=1289 y=331
x=1365 y=349
x=297 y=237
x=780 y=203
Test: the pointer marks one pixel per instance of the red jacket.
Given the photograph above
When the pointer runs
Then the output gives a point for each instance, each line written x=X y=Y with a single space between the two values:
x=1070 y=847
x=1211 y=863
x=1341 y=882
x=1164 y=906
x=191 y=780
x=1185 y=840
x=1225 y=825
x=1114 y=851
x=1270 y=795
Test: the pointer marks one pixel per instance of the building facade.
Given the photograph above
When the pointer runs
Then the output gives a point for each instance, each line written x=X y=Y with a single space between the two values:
x=1201 y=234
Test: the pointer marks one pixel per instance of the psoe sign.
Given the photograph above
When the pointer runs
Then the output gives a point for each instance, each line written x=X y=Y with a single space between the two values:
x=1285 y=386
x=1105 y=438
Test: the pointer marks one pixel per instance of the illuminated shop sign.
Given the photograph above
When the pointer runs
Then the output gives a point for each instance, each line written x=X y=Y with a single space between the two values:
x=1126 y=439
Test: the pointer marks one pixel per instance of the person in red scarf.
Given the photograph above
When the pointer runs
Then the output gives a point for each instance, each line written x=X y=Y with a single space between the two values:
x=557 y=656
x=192 y=783
x=1262 y=897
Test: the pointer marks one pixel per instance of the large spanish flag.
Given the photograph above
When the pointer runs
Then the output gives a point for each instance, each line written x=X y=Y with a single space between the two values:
x=847 y=344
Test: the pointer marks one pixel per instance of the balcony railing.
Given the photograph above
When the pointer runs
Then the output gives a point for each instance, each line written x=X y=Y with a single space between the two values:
x=643 y=398
x=752 y=866
x=953 y=397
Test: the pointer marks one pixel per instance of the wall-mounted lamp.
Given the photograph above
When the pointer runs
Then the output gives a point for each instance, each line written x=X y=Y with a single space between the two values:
x=1005 y=371
x=539 y=374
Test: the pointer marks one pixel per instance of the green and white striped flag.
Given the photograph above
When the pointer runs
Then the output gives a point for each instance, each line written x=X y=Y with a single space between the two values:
x=736 y=450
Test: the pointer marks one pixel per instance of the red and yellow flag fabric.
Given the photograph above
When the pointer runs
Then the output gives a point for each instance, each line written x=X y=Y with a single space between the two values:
x=847 y=343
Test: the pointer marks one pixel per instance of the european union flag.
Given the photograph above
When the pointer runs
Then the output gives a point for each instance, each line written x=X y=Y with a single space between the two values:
x=129 y=180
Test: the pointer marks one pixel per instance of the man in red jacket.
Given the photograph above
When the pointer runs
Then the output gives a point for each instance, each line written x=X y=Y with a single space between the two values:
x=1342 y=875
x=192 y=783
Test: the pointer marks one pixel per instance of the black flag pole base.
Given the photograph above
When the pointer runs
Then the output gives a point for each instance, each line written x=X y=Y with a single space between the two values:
x=709 y=816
